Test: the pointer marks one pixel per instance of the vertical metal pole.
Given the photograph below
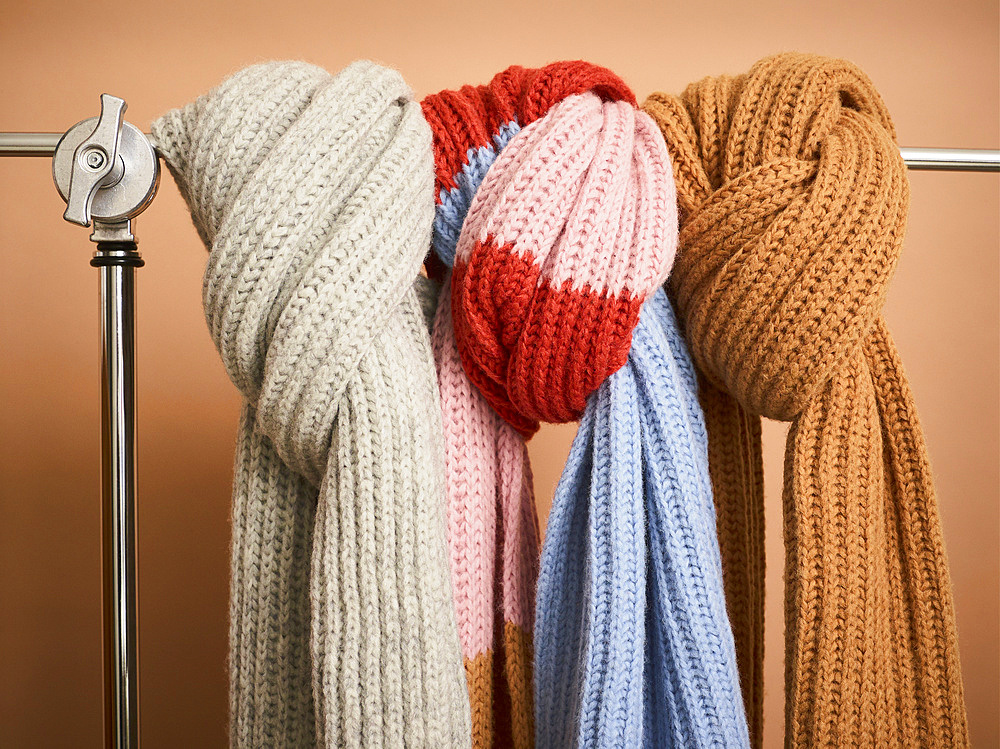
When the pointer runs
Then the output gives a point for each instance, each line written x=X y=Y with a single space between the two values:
x=117 y=262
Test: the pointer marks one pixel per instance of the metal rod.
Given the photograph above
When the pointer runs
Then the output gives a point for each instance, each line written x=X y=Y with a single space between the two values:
x=918 y=159
x=951 y=159
x=117 y=262
x=28 y=144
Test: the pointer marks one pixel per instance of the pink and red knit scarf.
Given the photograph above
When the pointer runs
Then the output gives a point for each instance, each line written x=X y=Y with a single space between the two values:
x=554 y=252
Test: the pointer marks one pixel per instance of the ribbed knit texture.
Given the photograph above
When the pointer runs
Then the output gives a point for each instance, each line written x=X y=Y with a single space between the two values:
x=793 y=200
x=492 y=522
x=315 y=196
x=559 y=194
x=633 y=644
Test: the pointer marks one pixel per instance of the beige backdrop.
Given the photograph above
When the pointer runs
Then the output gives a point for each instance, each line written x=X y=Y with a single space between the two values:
x=935 y=63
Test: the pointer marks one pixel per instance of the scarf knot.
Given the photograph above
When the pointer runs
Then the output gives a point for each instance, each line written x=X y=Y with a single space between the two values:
x=473 y=124
x=794 y=199
x=289 y=172
x=573 y=228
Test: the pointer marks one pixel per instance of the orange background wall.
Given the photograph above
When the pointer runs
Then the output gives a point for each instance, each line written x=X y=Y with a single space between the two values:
x=936 y=64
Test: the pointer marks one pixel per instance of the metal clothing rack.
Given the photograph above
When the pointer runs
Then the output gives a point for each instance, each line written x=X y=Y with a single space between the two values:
x=107 y=171
x=917 y=159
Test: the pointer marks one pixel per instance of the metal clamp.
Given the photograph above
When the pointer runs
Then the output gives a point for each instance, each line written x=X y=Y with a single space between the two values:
x=106 y=170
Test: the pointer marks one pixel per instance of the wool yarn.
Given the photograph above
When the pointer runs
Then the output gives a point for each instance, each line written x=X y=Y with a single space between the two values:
x=314 y=194
x=492 y=522
x=793 y=200
x=649 y=661
x=556 y=209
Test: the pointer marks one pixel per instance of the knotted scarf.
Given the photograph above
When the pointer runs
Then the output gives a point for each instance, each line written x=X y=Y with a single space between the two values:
x=793 y=200
x=556 y=208
x=314 y=194
x=492 y=522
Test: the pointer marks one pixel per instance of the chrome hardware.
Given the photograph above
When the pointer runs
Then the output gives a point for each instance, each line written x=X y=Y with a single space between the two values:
x=107 y=171
x=105 y=168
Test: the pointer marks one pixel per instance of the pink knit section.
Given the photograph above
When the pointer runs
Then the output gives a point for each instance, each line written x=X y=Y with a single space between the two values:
x=558 y=186
x=486 y=467
x=520 y=527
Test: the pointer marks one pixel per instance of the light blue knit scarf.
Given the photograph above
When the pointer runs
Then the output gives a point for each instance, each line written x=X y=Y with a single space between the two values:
x=632 y=643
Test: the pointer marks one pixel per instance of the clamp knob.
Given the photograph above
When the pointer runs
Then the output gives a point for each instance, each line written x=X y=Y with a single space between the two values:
x=94 y=160
x=105 y=168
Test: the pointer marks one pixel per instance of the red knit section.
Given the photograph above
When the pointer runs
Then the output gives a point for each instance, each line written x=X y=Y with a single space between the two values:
x=470 y=117
x=536 y=352
x=546 y=87
x=491 y=297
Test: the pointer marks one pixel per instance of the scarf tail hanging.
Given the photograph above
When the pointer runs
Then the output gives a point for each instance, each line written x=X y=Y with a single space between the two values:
x=922 y=561
x=735 y=464
x=520 y=539
x=493 y=563
x=633 y=515
x=269 y=651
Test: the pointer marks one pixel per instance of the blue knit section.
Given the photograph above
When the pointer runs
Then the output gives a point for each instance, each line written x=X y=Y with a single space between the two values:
x=633 y=646
x=455 y=202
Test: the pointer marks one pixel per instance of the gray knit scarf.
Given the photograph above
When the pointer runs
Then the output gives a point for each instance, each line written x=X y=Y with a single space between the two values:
x=314 y=194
